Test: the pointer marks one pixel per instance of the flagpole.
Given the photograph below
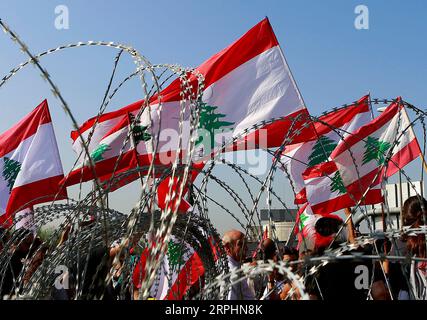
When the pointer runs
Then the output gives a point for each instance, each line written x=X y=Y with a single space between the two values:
x=385 y=265
x=305 y=107
x=351 y=231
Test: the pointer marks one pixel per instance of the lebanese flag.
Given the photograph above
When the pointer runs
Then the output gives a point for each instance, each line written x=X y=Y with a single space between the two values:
x=245 y=84
x=106 y=155
x=372 y=145
x=167 y=196
x=306 y=229
x=30 y=166
x=181 y=266
x=297 y=158
x=326 y=192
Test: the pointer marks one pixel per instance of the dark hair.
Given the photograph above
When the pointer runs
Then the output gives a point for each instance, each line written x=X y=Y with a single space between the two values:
x=327 y=226
x=269 y=248
x=290 y=251
x=413 y=212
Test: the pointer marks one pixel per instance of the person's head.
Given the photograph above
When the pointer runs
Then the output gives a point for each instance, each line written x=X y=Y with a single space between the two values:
x=290 y=254
x=328 y=225
x=319 y=233
x=413 y=211
x=235 y=244
x=268 y=248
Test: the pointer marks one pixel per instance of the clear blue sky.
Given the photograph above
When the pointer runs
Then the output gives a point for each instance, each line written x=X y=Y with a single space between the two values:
x=333 y=63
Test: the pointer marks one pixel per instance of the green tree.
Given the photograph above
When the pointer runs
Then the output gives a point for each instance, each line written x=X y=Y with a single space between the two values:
x=375 y=150
x=210 y=121
x=337 y=184
x=10 y=172
x=97 y=154
x=176 y=253
x=321 y=151
x=302 y=220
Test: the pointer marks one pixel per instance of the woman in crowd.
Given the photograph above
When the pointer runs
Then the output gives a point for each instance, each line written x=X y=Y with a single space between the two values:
x=414 y=213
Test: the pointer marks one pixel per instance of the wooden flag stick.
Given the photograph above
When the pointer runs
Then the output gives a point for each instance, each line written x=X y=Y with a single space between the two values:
x=351 y=231
x=385 y=262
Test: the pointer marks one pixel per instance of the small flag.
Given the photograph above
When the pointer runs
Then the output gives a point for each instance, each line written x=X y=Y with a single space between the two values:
x=30 y=166
x=376 y=150
x=331 y=128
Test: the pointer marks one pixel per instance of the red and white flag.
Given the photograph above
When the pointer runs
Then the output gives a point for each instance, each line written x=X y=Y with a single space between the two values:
x=357 y=167
x=362 y=158
x=331 y=129
x=106 y=154
x=326 y=192
x=30 y=166
x=24 y=219
x=181 y=267
x=307 y=235
x=245 y=84
x=167 y=196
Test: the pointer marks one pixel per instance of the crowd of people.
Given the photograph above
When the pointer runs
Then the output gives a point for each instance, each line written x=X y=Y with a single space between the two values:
x=355 y=278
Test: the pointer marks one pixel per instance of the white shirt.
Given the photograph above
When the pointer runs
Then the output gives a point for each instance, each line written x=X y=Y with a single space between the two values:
x=418 y=280
x=241 y=290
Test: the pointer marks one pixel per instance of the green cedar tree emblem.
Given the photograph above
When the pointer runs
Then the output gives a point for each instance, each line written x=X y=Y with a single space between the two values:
x=337 y=184
x=375 y=150
x=176 y=253
x=139 y=131
x=302 y=219
x=321 y=151
x=97 y=154
x=10 y=172
x=210 y=121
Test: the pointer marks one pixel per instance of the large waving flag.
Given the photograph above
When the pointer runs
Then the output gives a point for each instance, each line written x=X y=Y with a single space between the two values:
x=30 y=166
x=106 y=154
x=245 y=84
x=331 y=129
x=362 y=158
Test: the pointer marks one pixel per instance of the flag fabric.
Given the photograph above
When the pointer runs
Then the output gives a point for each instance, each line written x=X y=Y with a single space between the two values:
x=245 y=84
x=30 y=165
x=326 y=192
x=106 y=154
x=180 y=268
x=307 y=235
x=330 y=129
x=25 y=220
x=167 y=197
x=362 y=158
